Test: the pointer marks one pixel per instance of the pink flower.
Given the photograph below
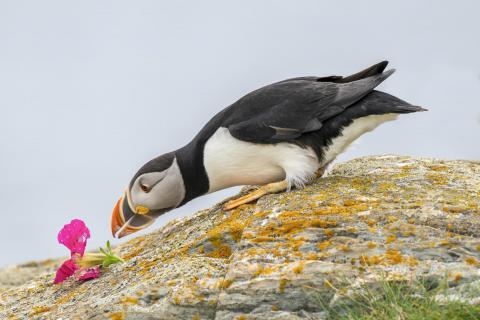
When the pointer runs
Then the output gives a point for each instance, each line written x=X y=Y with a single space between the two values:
x=84 y=266
x=66 y=270
x=87 y=274
x=74 y=236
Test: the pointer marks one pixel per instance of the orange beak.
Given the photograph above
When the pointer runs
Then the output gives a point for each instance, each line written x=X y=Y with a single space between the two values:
x=117 y=218
x=125 y=221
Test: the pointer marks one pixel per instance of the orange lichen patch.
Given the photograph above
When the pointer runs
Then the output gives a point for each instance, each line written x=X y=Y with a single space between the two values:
x=392 y=219
x=411 y=261
x=264 y=271
x=137 y=245
x=69 y=296
x=222 y=252
x=39 y=309
x=299 y=267
x=371 y=222
x=329 y=233
x=224 y=283
x=477 y=247
x=295 y=226
x=263 y=239
x=352 y=229
x=236 y=229
x=371 y=245
x=457 y=277
x=390 y=257
x=393 y=256
x=248 y=235
x=171 y=283
x=450 y=226
x=437 y=179
x=334 y=209
x=201 y=249
x=289 y=214
x=282 y=284
x=472 y=261
x=370 y=260
x=457 y=209
x=311 y=256
x=438 y=168
x=324 y=245
x=117 y=315
x=196 y=317
x=391 y=238
x=129 y=300
x=241 y=317
x=411 y=221
x=344 y=248
x=145 y=266
x=349 y=202
x=275 y=308
x=446 y=243
x=386 y=186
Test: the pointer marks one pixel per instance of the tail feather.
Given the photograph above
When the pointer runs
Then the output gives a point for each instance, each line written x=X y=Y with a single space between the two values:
x=378 y=102
x=369 y=72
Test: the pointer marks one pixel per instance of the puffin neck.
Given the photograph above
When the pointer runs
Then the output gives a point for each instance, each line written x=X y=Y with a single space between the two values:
x=195 y=179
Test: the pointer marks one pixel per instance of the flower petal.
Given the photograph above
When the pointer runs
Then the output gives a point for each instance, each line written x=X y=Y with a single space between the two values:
x=66 y=270
x=88 y=274
x=74 y=236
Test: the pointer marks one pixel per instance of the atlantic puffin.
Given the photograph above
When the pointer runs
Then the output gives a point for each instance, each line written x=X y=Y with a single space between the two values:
x=278 y=137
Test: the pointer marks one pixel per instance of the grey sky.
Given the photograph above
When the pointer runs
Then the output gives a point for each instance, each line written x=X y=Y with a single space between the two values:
x=90 y=90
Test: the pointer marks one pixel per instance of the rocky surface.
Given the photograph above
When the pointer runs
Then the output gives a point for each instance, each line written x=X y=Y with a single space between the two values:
x=372 y=218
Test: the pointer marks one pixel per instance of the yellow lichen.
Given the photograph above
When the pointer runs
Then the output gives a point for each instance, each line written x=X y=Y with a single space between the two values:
x=324 y=245
x=391 y=238
x=299 y=267
x=39 y=309
x=120 y=315
x=282 y=284
x=129 y=300
x=371 y=245
x=222 y=252
x=263 y=271
x=311 y=256
x=471 y=260
x=329 y=233
x=263 y=239
x=225 y=283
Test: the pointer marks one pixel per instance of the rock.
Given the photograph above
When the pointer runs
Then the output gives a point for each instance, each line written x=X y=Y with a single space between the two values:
x=371 y=219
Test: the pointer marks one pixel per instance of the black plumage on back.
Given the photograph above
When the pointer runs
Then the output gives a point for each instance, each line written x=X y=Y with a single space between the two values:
x=288 y=109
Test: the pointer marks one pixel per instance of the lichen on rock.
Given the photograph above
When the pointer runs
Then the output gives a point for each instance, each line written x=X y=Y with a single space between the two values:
x=372 y=218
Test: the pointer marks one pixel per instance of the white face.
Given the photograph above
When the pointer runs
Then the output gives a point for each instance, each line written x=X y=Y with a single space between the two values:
x=158 y=190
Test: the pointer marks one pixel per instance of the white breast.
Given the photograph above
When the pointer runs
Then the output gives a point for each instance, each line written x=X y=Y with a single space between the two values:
x=232 y=162
x=352 y=132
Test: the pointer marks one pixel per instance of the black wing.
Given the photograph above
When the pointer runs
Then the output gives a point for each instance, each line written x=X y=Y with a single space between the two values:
x=285 y=110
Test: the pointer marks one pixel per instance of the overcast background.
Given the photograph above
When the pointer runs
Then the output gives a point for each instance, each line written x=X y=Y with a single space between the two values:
x=90 y=90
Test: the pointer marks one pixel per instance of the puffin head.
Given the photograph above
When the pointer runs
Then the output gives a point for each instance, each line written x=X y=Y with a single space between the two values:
x=155 y=189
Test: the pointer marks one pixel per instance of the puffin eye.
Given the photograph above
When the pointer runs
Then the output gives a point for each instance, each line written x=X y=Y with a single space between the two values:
x=144 y=188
